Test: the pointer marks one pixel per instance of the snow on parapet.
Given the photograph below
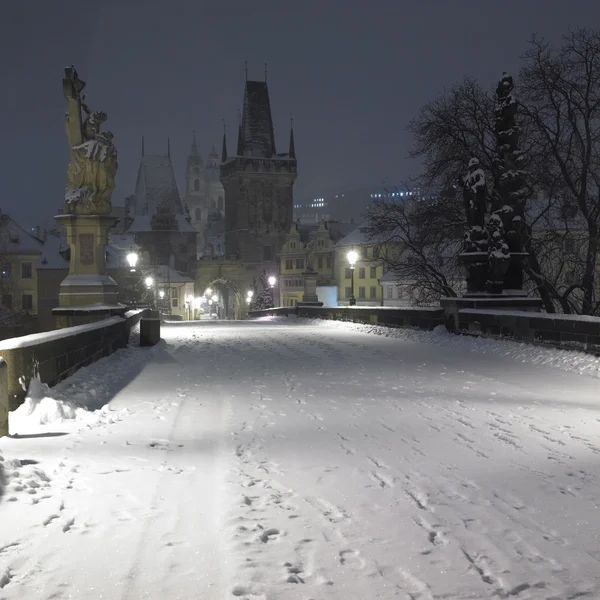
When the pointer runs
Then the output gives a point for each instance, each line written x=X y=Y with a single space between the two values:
x=49 y=336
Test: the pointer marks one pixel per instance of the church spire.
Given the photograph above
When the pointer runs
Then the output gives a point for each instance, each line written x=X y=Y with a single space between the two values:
x=224 y=152
x=194 y=150
x=240 y=144
x=292 y=151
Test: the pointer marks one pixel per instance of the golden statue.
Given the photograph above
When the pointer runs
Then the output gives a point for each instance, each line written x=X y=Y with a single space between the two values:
x=93 y=165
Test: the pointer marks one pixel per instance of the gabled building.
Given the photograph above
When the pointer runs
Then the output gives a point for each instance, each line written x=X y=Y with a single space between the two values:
x=258 y=184
x=19 y=253
x=309 y=246
x=368 y=269
x=157 y=219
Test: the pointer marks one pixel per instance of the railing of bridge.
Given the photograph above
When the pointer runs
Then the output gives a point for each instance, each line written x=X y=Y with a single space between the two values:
x=52 y=356
x=576 y=332
x=421 y=317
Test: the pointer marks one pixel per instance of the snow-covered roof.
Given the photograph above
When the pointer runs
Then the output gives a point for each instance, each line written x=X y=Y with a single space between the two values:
x=16 y=240
x=359 y=237
x=166 y=275
x=54 y=253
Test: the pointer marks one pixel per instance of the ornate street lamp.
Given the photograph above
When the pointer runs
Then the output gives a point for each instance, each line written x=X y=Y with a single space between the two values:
x=352 y=258
x=149 y=281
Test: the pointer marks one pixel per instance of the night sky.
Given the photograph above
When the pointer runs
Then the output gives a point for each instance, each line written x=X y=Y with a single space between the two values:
x=352 y=73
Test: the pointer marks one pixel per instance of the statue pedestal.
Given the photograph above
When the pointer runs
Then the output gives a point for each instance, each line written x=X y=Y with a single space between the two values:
x=88 y=293
x=309 y=297
x=515 y=301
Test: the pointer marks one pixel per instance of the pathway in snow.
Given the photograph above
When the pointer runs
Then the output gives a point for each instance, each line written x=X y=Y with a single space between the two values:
x=298 y=461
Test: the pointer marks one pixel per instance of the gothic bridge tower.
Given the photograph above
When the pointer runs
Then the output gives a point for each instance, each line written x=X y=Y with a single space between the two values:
x=258 y=184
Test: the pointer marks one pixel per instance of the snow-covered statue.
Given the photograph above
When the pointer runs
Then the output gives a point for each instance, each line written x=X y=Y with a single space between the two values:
x=93 y=165
x=474 y=197
x=511 y=190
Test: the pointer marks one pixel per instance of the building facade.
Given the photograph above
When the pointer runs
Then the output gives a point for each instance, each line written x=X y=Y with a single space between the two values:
x=309 y=247
x=205 y=200
x=368 y=270
x=19 y=254
x=157 y=220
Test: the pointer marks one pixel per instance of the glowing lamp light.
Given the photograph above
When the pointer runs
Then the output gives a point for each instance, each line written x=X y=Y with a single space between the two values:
x=132 y=259
x=352 y=257
x=250 y=293
x=208 y=292
x=149 y=281
x=272 y=280
x=161 y=294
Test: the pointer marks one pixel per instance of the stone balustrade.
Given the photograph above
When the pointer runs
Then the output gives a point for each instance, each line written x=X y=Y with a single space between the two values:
x=54 y=355
x=559 y=330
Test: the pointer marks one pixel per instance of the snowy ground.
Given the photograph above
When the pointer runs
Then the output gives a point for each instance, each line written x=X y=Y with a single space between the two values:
x=302 y=460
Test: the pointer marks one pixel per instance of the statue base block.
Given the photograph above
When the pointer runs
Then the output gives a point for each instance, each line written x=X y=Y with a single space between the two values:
x=514 y=301
x=82 y=315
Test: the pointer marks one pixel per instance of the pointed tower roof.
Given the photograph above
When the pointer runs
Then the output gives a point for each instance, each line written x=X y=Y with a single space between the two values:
x=156 y=186
x=194 y=159
x=292 y=152
x=257 y=136
x=224 y=151
x=194 y=150
x=240 y=144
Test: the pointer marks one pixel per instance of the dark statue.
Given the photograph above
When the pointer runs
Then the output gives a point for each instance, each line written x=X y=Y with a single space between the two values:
x=492 y=256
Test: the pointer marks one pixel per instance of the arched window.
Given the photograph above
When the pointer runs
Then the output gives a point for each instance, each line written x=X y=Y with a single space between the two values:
x=196 y=185
x=220 y=203
x=198 y=214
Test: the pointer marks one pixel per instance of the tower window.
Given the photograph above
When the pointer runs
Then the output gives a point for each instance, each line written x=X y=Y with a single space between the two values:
x=220 y=203
x=196 y=185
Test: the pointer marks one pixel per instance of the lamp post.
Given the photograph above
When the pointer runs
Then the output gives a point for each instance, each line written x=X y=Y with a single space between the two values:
x=149 y=281
x=272 y=280
x=132 y=260
x=352 y=258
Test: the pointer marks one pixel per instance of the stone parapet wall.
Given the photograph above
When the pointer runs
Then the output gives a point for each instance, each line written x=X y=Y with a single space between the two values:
x=55 y=355
x=576 y=332
x=422 y=318
x=563 y=331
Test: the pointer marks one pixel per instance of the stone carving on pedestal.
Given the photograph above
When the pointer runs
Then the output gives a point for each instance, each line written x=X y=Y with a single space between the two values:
x=88 y=293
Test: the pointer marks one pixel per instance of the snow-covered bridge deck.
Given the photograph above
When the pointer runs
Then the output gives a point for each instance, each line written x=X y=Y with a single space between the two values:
x=306 y=460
